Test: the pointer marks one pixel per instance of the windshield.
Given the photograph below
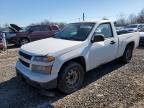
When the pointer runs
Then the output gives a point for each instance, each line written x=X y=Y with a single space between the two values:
x=25 y=29
x=75 y=31
x=132 y=26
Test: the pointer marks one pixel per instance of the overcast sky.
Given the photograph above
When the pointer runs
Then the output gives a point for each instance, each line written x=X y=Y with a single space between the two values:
x=24 y=12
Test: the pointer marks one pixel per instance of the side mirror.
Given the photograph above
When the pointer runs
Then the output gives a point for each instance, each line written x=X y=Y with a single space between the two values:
x=97 y=38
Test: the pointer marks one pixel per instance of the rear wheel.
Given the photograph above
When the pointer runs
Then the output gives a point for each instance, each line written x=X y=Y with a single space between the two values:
x=24 y=41
x=71 y=77
x=127 y=56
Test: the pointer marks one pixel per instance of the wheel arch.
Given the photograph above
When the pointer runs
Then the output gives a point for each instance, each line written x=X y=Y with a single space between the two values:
x=61 y=85
x=24 y=38
x=132 y=43
x=80 y=60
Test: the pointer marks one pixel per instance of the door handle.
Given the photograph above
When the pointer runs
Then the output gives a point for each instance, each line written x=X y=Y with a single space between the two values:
x=112 y=42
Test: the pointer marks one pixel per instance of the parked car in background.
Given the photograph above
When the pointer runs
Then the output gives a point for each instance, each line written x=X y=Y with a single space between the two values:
x=135 y=27
x=120 y=32
x=119 y=28
x=10 y=32
x=32 y=33
x=141 y=38
x=63 y=60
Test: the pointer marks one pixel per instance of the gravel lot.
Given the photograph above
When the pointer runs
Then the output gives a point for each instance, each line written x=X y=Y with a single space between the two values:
x=113 y=85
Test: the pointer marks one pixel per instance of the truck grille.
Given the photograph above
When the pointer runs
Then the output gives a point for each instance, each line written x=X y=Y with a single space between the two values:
x=25 y=55
x=24 y=58
x=24 y=63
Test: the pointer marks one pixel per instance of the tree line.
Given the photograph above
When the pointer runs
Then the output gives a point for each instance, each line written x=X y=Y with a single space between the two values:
x=46 y=22
x=122 y=20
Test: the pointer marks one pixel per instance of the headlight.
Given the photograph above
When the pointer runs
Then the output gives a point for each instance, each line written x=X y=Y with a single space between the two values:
x=44 y=59
x=38 y=66
x=42 y=69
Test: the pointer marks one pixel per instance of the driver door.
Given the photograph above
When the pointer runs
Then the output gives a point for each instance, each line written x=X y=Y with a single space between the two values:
x=36 y=33
x=104 y=51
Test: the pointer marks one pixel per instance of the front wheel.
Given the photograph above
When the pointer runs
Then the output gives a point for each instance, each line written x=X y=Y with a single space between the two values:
x=24 y=41
x=127 y=56
x=71 y=77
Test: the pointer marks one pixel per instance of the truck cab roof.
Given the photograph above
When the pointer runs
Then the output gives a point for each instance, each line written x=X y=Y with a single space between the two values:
x=97 y=21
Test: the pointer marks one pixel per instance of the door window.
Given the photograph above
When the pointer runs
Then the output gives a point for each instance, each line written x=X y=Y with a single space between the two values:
x=36 y=29
x=104 y=29
x=45 y=28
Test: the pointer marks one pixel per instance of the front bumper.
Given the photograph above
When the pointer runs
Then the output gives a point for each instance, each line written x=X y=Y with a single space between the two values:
x=35 y=79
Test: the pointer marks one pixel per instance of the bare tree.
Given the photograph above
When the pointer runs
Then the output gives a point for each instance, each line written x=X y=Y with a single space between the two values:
x=61 y=25
x=46 y=22
x=122 y=20
x=140 y=18
x=132 y=19
x=6 y=25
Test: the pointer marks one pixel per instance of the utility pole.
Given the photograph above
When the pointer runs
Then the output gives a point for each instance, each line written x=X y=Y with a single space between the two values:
x=83 y=16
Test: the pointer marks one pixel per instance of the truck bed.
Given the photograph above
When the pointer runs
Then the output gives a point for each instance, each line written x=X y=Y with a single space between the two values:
x=126 y=38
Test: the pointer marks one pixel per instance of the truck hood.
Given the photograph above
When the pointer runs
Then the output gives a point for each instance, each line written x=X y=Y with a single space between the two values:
x=50 y=46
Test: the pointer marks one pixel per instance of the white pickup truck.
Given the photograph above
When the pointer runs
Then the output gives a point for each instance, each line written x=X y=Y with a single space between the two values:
x=61 y=61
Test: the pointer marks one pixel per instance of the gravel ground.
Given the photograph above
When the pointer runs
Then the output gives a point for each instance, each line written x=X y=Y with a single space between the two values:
x=113 y=85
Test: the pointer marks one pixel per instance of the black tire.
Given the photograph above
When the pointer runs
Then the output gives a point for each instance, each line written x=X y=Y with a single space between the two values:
x=23 y=41
x=127 y=56
x=71 y=71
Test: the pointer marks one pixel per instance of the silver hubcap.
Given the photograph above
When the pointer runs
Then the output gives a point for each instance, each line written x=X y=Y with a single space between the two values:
x=24 y=41
x=72 y=77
